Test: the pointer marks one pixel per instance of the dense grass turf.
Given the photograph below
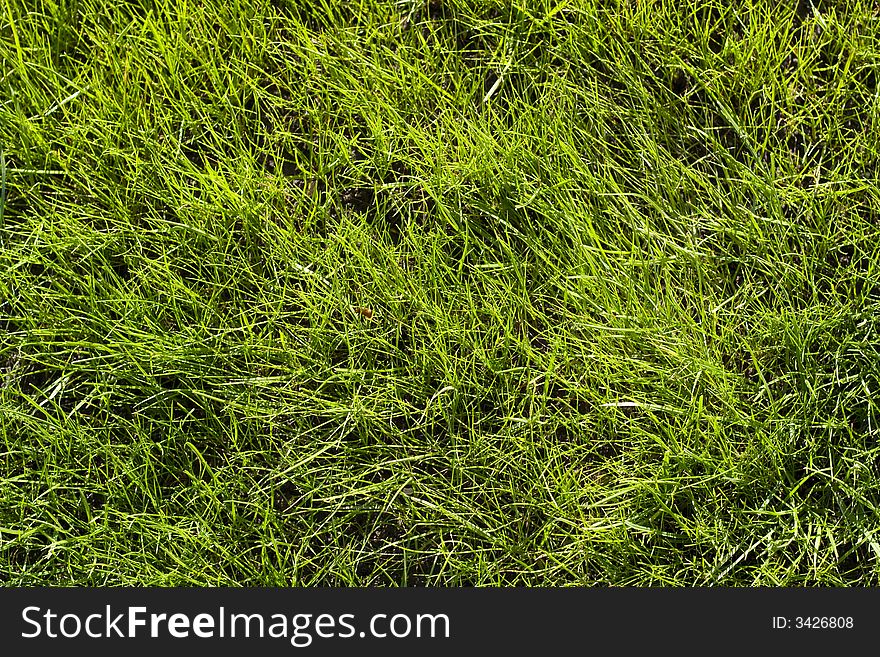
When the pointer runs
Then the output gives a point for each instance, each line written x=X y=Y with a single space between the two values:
x=533 y=292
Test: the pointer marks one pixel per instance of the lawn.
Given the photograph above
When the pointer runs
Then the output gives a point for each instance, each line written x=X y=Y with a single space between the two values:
x=439 y=293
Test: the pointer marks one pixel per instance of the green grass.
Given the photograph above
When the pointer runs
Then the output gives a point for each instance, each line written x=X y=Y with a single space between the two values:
x=526 y=292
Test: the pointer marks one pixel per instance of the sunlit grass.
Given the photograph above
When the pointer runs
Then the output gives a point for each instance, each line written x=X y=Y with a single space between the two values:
x=439 y=293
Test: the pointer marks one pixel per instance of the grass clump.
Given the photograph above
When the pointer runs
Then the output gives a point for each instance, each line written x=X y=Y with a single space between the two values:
x=439 y=293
